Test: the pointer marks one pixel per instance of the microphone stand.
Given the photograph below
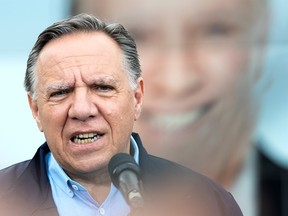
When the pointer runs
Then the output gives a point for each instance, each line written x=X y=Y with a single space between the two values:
x=136 y=203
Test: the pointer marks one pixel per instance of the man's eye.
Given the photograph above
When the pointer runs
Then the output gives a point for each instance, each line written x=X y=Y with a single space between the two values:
x=103 y=88
x=218 y=30
x=59 y=93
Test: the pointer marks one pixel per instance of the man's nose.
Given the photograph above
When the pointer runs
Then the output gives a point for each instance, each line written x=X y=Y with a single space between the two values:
x=82 y=107
x=178 y=73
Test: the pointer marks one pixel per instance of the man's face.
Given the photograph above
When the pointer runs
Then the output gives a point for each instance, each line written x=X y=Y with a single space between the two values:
x=85 y=105
x=197 y=58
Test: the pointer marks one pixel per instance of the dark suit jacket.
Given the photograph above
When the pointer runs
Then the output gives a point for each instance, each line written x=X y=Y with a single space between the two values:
x=25 y=188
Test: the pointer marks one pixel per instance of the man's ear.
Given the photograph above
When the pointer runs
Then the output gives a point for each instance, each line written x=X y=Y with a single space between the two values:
x=35 y=112
x=138 y=96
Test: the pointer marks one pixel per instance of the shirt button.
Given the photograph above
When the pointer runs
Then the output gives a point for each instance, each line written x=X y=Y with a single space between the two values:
x=102 y=211
x=75 y=187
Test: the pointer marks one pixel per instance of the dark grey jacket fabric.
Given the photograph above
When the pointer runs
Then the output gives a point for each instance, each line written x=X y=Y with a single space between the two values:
x=25 y=188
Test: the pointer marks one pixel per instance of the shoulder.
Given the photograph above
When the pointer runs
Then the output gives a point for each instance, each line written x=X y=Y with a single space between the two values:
x=26 y=172
x=10 y=182
x=26 y=180
x=201 y=194
x=11 y=174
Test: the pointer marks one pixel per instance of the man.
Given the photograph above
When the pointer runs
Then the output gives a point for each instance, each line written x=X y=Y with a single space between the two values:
x=85 y=91
x=201 y=61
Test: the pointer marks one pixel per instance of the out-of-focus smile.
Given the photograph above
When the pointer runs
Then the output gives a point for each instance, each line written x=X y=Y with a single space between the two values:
x=177 y=121
x=85 y=138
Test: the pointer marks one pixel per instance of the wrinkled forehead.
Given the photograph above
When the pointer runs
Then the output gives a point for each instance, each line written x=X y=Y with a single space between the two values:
x=137 y=9
x=79 y=50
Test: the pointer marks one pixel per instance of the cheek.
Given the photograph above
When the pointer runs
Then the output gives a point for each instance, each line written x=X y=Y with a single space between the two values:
x=118 y=113
x=224 y=69
x=52 y=120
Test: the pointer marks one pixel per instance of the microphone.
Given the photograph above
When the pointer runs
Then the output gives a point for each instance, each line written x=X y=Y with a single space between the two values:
x=125 y=175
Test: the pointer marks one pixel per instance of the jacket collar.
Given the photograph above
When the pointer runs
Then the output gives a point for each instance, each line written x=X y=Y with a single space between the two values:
x=33 y=185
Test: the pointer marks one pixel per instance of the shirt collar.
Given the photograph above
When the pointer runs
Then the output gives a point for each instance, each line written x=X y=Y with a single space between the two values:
x=60 y=178
x=136 y=149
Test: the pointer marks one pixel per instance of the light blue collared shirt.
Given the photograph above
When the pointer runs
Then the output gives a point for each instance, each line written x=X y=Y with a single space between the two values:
x=72 y=199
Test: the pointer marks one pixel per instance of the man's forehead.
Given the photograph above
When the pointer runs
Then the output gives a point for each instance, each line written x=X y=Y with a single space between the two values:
x=111 y=9
x=77 y=40
x=71 y=50
x=68 y=83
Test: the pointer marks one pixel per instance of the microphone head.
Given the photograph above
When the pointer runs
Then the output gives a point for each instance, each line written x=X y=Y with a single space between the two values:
x=119 y=163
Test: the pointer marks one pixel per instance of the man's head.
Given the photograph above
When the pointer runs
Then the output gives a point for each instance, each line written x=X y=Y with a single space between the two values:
x=85 y=91
x=201 y=60
x=84 y=23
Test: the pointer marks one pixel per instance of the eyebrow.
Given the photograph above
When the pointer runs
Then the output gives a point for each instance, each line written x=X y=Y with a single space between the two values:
x=93 y=81
x=58 y=86
x=104 y=80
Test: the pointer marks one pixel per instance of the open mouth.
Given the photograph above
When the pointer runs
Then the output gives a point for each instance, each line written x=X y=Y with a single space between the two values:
x=86 y=138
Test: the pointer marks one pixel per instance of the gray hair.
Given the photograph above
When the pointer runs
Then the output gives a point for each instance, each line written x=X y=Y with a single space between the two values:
x=84 y=23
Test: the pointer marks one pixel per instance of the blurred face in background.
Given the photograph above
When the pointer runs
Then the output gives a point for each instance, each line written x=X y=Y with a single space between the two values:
x=200 y=60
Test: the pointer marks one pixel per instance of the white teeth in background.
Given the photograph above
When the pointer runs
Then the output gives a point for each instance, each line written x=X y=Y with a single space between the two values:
x=177 y=121
x=86 y=138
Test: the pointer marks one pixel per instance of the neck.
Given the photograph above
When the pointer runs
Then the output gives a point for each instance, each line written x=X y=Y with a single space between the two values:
x=99 y=192
x=98 y=185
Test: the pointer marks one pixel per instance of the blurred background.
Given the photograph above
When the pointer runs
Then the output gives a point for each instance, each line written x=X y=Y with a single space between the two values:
x=261 y=183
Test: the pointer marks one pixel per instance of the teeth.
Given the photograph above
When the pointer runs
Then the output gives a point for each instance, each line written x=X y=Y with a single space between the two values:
x=86 y=135
x=175 y=122
x=85 y=138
